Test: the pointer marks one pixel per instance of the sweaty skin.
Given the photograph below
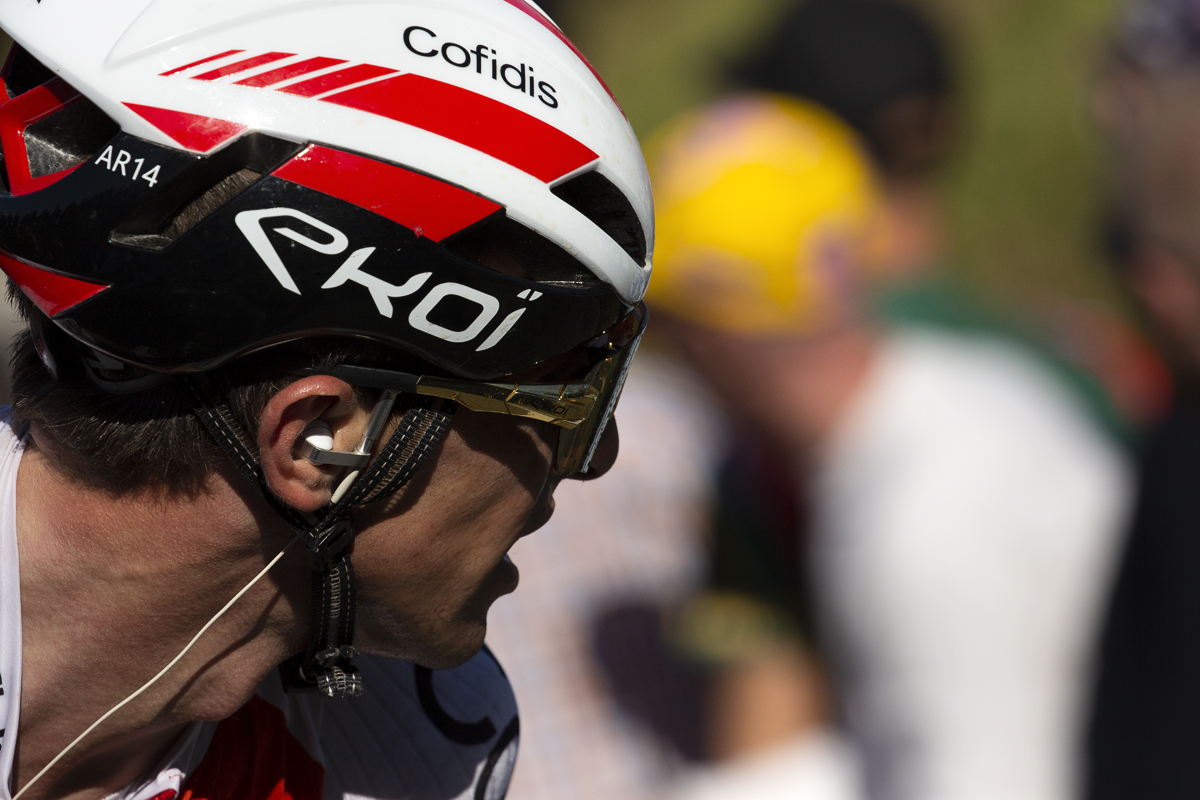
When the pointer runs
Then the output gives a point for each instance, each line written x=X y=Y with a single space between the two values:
x=113 y=587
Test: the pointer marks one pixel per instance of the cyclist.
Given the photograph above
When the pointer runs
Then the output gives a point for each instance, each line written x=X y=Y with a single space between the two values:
x=324 y=299
x=962 y=507
x=1145 y=723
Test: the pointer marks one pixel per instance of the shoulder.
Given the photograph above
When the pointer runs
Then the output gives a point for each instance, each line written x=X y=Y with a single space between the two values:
x=415 y=733
x=972 y=423
x=947 y=389
x=424 y=733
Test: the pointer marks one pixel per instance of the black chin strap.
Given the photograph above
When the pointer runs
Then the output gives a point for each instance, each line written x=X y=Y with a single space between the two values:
x=325 y=666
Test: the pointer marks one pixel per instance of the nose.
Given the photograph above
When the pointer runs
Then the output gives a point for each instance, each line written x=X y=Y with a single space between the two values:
x=606 y=453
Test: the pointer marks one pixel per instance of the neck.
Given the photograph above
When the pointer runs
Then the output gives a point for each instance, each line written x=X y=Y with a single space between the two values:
x=819 y=380
x=792 y=391
x=917 y=235
x=113 y=588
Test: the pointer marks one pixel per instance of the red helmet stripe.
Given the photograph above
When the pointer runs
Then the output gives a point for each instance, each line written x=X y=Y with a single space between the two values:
x=479 y=122
x=336 y=80
x=290 y=71
x=427 y=206
x=201 y=61
x=241 y=66
x=52 y=292
x=191 y=130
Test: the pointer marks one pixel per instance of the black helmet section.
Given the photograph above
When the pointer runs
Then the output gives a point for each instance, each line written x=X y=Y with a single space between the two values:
x=280 y=260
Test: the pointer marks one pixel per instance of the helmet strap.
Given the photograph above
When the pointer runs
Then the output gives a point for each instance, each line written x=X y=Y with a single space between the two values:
x=326 y=664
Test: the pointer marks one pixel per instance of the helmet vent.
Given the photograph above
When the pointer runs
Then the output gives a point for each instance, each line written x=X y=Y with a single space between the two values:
x=208 y=185
x=67 y=138
x=24 y=72
x=595 y=196
x=194 y=212
x=508 y=247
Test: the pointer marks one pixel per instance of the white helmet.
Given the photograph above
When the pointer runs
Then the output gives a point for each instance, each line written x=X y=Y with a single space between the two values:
x=489 y=97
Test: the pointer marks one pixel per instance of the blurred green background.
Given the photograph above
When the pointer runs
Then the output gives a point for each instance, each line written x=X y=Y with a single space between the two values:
x=1026 y=190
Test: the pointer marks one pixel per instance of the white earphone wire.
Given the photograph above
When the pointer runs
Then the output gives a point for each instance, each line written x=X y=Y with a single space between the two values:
x=161 y=672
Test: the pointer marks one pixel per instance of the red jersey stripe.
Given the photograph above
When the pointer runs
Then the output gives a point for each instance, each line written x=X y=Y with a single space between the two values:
x=253 y=756
x=479 y=122
x=427 y=206
x=336 y=80
x=290 y=71
x=241 y=66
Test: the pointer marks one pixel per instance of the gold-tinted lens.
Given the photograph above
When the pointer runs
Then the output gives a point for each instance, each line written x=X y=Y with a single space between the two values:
x=566 y=405
x=577 y=445
x=580 y=407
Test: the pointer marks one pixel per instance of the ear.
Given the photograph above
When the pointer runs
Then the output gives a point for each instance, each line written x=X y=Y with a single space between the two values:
x=295 y=480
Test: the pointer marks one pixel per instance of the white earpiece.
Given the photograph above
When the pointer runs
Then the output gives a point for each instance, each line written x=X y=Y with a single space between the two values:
x=318 y=434
x=316 y=445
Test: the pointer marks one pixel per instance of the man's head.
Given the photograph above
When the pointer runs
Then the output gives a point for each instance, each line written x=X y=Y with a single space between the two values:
x=230 y=232
x=881 y=66
x=769 y=228
x=1148 y=104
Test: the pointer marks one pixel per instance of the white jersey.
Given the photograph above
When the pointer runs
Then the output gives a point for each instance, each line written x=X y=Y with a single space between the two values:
x=416 y=734
x=966 y=516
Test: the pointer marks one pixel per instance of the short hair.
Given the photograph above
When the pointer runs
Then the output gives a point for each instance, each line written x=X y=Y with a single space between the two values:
x=152 y=440
x=879 y=65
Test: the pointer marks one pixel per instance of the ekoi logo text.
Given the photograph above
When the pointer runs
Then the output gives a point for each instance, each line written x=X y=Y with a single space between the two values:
x=253 y=226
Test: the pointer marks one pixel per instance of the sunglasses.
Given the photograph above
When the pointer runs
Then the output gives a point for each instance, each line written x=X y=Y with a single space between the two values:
x=579 y=407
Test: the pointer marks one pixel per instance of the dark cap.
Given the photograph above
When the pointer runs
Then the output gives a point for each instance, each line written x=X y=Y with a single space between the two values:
x=852 y=56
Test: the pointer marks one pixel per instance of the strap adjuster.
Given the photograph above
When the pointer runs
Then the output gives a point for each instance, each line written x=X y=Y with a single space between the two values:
x=329 y=546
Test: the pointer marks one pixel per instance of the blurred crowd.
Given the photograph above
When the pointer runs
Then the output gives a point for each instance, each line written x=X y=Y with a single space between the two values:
x=872 y=535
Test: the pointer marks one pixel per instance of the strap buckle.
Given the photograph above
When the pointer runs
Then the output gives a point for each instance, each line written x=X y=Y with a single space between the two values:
x=329 y=546
x=337 y=679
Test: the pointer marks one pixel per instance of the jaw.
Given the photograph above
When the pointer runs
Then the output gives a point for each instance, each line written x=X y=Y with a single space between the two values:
x=435 y=642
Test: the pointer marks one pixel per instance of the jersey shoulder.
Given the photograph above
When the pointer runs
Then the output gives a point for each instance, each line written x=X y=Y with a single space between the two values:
x=415 y=733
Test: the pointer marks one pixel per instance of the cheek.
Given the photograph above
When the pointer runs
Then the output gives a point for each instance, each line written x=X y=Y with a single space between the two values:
x=426 y=559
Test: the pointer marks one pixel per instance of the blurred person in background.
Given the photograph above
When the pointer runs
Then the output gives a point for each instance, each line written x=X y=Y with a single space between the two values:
x=1145 y=730
x=964 y=506
x=881 y=67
